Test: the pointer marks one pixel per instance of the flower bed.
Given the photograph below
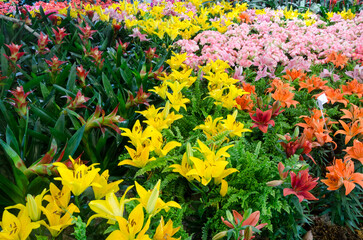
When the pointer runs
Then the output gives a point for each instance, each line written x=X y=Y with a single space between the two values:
x=193 y=120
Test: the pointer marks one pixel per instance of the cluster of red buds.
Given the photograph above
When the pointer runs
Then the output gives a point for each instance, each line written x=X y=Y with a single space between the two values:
x=82 y=74
x=19 y=101
x=297 y=146
x=15 y=55
x=54 y=64
x=86 y=33
x=122 y=45
x=141 y=98
x=96 y=54
x=77 y=102
x=150 y=54
x=43 y=41
x=59 y=35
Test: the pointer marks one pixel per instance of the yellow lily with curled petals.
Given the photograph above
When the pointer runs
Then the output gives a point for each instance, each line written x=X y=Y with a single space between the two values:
x=183 y=168
x=150 y=199
x=78 y=179
x=137 y=136
x=33 y=206
x=59 y=197
x=209 y=127
x=16 y=228
x=157 y=143
x=237 y=128
x=139 y=157
x=104 y=187
x=56 y=221
x=165 y=231
x=133 y=228
x=110 y=208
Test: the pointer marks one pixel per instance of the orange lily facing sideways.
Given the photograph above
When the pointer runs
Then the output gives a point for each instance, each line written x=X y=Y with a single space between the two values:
x=293 y=74
x=354 y=113
x=356 y=151
x=278 y=84
x=339 y=60
x=353 y=87
x=313 y=83
x=285 y=97
x=350 y=131
x=333 y=96
x=342 y=173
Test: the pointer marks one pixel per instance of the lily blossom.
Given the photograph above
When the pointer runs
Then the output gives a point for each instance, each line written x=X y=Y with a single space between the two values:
x=262 y=119
x=301 y=185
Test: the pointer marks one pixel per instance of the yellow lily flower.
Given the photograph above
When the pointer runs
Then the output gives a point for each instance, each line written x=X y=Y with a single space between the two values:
x=237 y=128
x=33 y=206
x=16 y=228
x=150 y=199
x=133 y=228
x=139 y=157
x=210 y=155
x=105 y=187
x=176 y=61
x=110 y=208
x=157 y=142
x=57 y=222
x=160 y=90
x=59 y=197
x=209 y=127
x=137 y=136
x=165 y=232
x=183 y=168
x=78 y=179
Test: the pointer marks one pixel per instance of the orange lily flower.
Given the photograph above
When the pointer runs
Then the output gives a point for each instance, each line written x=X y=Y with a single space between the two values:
x=333 y=96
x=245 y=18
x=339 y=60
x=278 y=84
x=285 y=97
x=247 y=87
x=353 y=87
x=355 y=152
x=354 y=113
x=342 y=173
x=313 y=83
x=295 y=74
x=244 y=103
x=349 y=131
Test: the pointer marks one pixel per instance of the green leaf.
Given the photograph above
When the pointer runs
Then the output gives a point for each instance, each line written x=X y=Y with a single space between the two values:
x=63 y=90
x=11 y=139
x=44 y=90
x=109 y=90
x=15 y=158
x=42 y=115
x=73 y=143
x=72 y=78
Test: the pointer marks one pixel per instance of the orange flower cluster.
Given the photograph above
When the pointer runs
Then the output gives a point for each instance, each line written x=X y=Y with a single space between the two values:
x=314 y=129
x=339 y=60
x=355 y=152
x=245 y=101
x=244 y=18
x=353 y=87
x=342 y=173
x=313 y=83
x=283 y=93
x=292 y=75
x=333 y=96
x=351 y=130
x=354 y=113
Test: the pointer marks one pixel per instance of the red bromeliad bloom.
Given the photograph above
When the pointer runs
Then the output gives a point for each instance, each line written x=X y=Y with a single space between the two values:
x=82 y=74
x=141 y=98
x=20 y=103
x=150 y=54
x=252 y=220
x=96 y=54
x=123 y=45
x=262 y=119
x=59 y=35
x=15 y=55
x=77 y=102
x=43 y=41
x=86 y=33
x=54 y=64
x=301 y=185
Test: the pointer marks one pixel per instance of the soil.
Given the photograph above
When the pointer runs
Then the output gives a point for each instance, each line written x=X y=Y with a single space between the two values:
x=323 y=230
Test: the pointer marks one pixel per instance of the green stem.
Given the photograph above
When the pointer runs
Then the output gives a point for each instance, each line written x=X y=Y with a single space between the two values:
x=76 y=200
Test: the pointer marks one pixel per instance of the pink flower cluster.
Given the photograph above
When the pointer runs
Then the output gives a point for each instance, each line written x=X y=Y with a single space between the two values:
x=269 y=41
